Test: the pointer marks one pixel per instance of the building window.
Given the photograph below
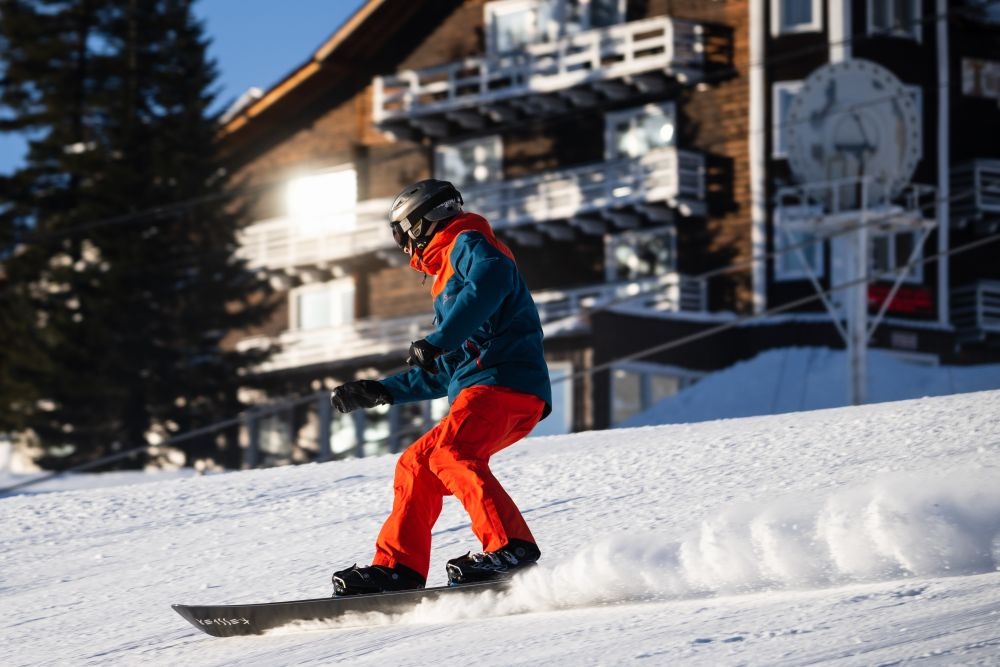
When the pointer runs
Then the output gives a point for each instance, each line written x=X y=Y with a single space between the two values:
x=787 y=261
x=634 y=132
x=634 y=255
x=321 y=306
x=892 y=252
x=513 y=24
x=898 y=18
x=782 y=94
x=638 y=386
x=560 y=421
x=470 y=162
x=792 y=16
x=324 y=202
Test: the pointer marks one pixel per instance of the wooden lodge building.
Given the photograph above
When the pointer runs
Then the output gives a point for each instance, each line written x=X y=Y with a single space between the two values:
x=655 y=170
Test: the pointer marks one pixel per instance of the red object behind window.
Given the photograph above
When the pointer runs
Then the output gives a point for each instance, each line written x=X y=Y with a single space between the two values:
x=908 y=300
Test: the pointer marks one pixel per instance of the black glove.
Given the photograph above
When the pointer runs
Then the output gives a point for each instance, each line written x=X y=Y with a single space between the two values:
x=359 y=394
x=423 y=355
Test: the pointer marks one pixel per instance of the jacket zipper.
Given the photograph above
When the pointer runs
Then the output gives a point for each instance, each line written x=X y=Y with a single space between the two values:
x=475 y=351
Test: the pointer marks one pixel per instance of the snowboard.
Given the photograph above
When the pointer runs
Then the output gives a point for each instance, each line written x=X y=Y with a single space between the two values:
x=233 y=620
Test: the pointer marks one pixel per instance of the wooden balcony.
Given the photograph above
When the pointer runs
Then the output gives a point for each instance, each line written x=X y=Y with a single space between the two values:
x=975 y=187
x=588 y=69
x=368 y=340
x=666 y=176
x=593 y=198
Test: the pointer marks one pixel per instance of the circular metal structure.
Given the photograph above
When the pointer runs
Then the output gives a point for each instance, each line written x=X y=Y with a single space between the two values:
x=854 y=119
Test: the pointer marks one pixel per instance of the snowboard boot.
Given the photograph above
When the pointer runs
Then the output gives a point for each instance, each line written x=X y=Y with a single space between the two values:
x=375 y=579
x=490 y=565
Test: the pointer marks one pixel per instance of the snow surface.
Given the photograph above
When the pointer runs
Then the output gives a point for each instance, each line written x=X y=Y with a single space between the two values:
x=809 y=378
x=848 y=536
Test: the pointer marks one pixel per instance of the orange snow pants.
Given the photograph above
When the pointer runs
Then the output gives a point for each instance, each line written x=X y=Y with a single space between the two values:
x=453 y=459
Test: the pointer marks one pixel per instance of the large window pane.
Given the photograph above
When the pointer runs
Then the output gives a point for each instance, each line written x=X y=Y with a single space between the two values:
x=789 y=235
x=328 y=305
x=635 y=255
x=782 y=96
x=470 y=162
x=513 y=24
x=793 y=16
x=895 y=17
x=635 y=132
x=561 y=419
x=797 y=12
x=325 y=202
x=626 y=395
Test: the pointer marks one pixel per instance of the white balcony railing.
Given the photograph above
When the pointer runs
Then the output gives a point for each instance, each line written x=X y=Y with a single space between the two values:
x=668 y=175
x=360 y=339
x=284 y=243
x=665 y=174
x=976 y=189
x=604 y=54
x=975 y=309
x=373 y=337
x=671 y=291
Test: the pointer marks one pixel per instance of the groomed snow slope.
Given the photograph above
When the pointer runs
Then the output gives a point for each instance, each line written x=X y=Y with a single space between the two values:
x=846 y=536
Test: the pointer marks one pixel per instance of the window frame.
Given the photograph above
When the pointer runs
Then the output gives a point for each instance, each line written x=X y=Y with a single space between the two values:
x=637 y=237
x=294 y=309
x=916 y=33
x=645 y=370
x=497 y=145
x=779 y=27
x=559 y=371
x=560 y=14
x=915 y=276
x=779 y=149
x=613 y=118
x=819 y=248
x=316 y=223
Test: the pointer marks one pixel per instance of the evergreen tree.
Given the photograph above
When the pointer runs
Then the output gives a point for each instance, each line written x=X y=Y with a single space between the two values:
x=131 y=312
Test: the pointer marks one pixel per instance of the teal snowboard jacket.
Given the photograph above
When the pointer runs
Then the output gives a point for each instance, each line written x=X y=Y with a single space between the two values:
x=486 y=321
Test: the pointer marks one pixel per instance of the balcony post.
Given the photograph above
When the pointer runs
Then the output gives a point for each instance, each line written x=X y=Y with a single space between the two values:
x=325 y=413
x=358 y=417
x=252 y=452
x=394 y=423
x=378 y=100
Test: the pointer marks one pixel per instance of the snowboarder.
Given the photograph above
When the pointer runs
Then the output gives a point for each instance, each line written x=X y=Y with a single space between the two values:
x=486 y=356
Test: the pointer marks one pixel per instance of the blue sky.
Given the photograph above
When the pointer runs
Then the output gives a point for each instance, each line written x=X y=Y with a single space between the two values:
x=254 y=42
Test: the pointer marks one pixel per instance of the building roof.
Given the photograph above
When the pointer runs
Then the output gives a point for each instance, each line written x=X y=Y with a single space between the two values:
x=374 y=39
x=303 y=72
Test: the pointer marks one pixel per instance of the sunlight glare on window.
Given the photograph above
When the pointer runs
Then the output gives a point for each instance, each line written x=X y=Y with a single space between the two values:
x=323 y=202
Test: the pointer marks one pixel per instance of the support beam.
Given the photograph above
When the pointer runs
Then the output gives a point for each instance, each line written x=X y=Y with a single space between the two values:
x=581 y=97
x=590 y=226
x=526 y=237
x=623 y=219
x=558 y=232
x=250 y=455
x=501 y=114
x=324 y=414
x=656 y=213
x=469 y=120
x=432 y=127
x=614 y=90
x=650 y=84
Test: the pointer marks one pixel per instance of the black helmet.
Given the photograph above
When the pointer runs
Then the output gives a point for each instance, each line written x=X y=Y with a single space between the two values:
x=416 y=210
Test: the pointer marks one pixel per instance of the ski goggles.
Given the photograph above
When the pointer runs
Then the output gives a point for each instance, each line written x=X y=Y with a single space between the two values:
x=401 y=238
